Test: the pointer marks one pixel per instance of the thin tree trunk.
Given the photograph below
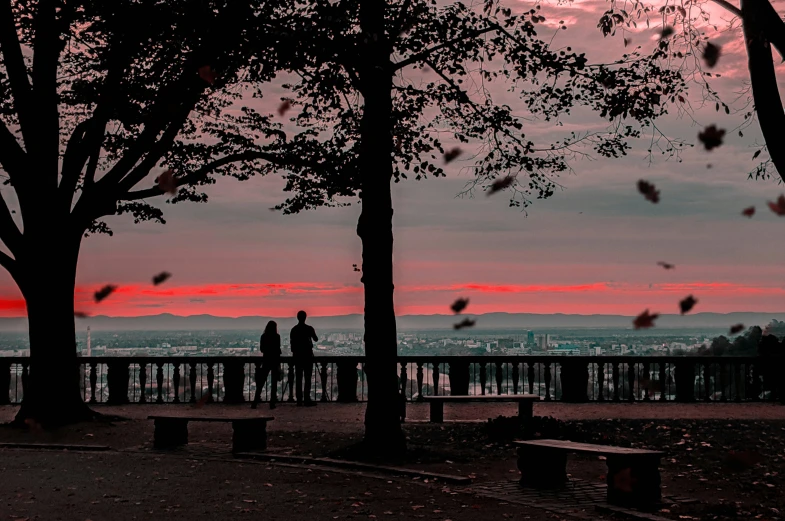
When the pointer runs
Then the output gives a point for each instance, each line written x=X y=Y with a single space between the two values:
x=763 y=78
x=47 y=281
x=382 y=421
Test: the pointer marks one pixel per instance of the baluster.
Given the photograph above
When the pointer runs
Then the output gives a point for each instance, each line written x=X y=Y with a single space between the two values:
x=741 y=383
x=404 y=377
x=25 y=378
x=142 y=382
x=499 y=378
x=93 y=381
x=646 y=381
x=530 y=375
x=192 y=381
x=631 y=380
x=323 y=376
x=176 y=381
x=600 y=381
x=706 y=383
x=483 y=376
x=723 y=382
x=547 y=381
x=755 y=382
x=419 y=381
x=663 y=382
x=257 y=375
x=291 y=382
x=515 y=377
x=615 y=376
x=5 y=382
x=159 y=378
x=435 y=378
x=210 y=381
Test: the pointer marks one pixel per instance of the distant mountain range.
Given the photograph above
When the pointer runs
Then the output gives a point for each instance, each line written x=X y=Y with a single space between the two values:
x=169 y=322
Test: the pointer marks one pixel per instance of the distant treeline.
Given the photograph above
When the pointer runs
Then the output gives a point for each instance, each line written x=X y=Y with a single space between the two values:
x=769 y=341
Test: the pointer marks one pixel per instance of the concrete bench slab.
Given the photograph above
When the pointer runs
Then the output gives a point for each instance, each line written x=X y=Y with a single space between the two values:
x=525 y=402
x=248 y=433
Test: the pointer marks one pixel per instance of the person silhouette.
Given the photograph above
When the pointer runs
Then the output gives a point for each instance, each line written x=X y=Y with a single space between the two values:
x=301 y=340
x=270 y=346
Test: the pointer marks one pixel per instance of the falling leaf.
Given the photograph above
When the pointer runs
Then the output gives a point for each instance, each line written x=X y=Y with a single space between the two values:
x=779 y=206
x=687 y=304
x=354 y=266
x=711 y=137
x=466 y=322
x=452 y=154
x=207 y=74
x=711 y=54
x=459 y=305
x=666 y=32
x=626 y=42
x=166 y=182
x=202 y=401
x=81 y=314
x=161 y=278
x=665 y=265
x=748 y=212
x=501 y=184
x=284 y=107
x=645 y=320
x=649 y=191
x=735 y=329
x=104 y=292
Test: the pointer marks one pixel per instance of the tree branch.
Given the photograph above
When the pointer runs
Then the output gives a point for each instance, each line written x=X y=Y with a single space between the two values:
x=427 y=52
x=45 y=60
x=398 y=25
x=9 y=233
x=204 y=170
x=763 y=78
x=728 y=6
x=8 y=263
x=16 y=71
x=12 y=156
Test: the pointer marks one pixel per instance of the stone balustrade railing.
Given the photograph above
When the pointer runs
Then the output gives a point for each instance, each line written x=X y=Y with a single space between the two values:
x=234 y=379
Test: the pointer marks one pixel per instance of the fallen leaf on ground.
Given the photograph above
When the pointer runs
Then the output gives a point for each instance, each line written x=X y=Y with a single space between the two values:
x=649 y=191
x=104 y=292
x=687 y=304
x=645 y=320
x=459 y=305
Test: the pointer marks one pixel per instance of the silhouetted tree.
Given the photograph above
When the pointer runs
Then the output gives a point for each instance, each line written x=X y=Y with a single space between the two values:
x=360 y=97
x=96 y=99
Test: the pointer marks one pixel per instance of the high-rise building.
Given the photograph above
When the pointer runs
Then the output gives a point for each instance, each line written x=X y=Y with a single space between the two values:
x=530 y=337
x=543 y=342
x=88 y=341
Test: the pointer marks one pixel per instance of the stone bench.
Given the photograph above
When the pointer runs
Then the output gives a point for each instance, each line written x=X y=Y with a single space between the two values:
x=633 y=475
x=249 y=433
x=524 y=401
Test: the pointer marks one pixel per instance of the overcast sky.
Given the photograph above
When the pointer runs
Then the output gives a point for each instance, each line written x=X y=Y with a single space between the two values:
x=591 y=248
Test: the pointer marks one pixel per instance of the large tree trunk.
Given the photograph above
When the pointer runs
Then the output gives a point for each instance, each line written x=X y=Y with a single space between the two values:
x=47 y=278
x=383 y=431
x=758 y=16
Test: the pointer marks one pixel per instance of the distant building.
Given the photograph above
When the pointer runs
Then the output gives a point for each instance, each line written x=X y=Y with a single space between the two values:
x=530 y=337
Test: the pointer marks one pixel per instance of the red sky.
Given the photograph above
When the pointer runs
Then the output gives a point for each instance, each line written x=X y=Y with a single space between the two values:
x=591 y=248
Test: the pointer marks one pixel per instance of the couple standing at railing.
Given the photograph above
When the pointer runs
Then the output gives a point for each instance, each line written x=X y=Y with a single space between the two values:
x=301 y=340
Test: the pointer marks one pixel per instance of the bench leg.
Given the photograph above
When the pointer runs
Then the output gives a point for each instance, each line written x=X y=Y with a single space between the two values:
x=437 y=412
x=542 y=468
x=249 y=436
x=170 y=433
x=634 y=483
